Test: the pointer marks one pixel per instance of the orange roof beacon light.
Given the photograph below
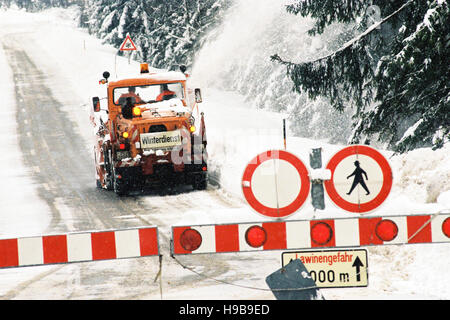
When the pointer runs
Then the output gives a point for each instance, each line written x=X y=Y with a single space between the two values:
x=144 y=68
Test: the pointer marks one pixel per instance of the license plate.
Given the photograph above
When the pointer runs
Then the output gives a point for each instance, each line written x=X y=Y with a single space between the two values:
x=122 y=155
x=160 y=140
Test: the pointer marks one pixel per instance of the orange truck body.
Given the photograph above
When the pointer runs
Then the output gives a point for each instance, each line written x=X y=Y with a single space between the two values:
x=146 y=141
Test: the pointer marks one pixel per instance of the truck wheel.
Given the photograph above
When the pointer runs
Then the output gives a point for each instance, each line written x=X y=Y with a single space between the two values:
x=109 y=179
x=199 y=182
x=119 y=185
x=109 y=182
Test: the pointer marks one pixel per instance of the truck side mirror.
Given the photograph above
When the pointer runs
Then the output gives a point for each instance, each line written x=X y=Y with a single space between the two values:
x=96 y=104
x=198 y=95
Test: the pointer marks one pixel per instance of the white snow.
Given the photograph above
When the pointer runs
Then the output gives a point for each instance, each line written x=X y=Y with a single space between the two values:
x=444 y=199
x=75 y=61
x=410 y=131
x=172 y=105
x=17 y=217
x=320 y=174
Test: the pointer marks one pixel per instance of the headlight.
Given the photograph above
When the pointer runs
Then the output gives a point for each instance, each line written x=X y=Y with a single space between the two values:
x=136 y=111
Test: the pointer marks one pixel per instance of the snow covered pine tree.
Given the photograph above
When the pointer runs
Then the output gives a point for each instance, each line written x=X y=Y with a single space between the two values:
x=167 y=32
x=36 y=5
x=395 y=73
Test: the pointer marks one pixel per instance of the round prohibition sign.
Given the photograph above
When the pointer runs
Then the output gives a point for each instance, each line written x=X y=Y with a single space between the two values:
x=361 y=179
x=276 y=183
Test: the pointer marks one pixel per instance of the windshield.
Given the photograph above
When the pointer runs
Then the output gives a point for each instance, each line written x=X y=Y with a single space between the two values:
x=148 y=94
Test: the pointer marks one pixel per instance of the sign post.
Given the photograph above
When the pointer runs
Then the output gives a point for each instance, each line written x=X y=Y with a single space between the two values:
x=317 y=191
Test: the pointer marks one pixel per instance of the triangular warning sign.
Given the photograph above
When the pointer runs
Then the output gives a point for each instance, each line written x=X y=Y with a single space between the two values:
x=128 y=44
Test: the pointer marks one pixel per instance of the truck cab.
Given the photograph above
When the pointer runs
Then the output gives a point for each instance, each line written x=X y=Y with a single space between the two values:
x=150 y=135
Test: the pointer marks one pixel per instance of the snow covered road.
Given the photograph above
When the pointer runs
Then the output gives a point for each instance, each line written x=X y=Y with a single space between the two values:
x=57 y=161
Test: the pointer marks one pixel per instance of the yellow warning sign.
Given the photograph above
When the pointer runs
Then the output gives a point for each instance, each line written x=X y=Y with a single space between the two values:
x=333 y=268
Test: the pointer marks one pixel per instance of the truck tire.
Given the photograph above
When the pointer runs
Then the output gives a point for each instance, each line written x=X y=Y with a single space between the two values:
x=109 y=179
x=119 y=185
x=109 y=183
x=199 y=182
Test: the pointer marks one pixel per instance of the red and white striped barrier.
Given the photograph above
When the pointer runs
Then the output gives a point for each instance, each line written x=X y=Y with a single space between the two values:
x=79 y=247
x=304 y=234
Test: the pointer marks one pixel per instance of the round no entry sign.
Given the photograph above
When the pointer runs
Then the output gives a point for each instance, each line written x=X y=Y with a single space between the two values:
x=276 y=183
x=361 y=179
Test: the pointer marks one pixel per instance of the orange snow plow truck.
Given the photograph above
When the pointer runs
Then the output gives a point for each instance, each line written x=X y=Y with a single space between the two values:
x=151 y=134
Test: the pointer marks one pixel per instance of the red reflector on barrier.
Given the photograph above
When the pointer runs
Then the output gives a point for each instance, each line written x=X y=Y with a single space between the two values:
x=446 y=227
x=321 y=233
x=386 y=230
x=256 y=236
x=190 y=239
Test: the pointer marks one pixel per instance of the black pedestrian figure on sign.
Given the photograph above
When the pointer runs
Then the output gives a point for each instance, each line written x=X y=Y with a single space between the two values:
x=358 y=173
